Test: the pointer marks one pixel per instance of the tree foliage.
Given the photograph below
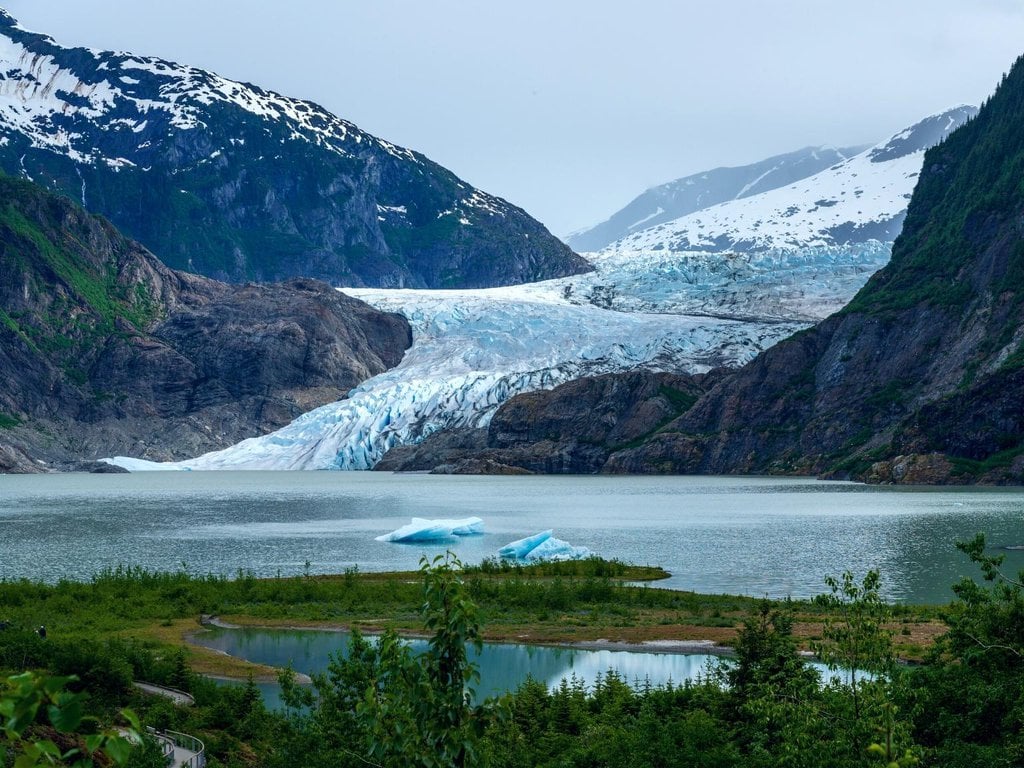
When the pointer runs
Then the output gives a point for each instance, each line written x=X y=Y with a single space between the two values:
x=32 y=706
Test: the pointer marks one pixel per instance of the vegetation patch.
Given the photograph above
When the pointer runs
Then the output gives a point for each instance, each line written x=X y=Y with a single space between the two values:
x=383 y=705
x=973 y=468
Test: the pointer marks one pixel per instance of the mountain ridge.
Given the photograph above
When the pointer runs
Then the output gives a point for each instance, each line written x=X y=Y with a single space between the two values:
x=688 y=194
x=856 y=201
x=236 y=182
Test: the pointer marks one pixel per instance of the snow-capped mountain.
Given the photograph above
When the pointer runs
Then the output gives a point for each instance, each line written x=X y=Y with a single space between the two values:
x=227 y=179
x=858 y=200
x=667 y=202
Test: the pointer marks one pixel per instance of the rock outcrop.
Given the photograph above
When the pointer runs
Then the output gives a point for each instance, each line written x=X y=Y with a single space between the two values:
x=572 y=429
x=105 y=350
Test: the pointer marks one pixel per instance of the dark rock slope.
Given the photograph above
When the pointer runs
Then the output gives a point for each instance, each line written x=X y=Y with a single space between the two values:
x=919 y=379
x=571 y=429
x=104 y=350
x=230 y=181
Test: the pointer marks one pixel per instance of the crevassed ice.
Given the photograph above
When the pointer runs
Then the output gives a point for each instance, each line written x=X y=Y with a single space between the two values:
x=475 y=349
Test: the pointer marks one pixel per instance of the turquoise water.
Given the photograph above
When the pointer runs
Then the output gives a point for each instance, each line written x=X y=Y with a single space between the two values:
x=503 y=667
x=758 y=536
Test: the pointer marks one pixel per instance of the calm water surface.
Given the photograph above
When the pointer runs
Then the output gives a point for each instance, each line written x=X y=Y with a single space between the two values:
x=503 y=667
x=759 y=536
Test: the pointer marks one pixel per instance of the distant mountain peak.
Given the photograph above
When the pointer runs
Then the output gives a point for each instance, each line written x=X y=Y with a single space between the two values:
x=854 y=200
x=671 y=200
x=924 y=134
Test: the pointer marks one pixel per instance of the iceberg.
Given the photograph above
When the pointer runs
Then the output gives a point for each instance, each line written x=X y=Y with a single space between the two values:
x=556 y=549
x=467 y=526
x=542 y=546
x=520 y=548
x=420 y=529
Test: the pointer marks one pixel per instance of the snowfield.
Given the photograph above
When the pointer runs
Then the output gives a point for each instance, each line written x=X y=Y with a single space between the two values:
x=859 y=199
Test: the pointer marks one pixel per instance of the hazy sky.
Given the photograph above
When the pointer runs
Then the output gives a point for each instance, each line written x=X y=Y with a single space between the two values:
x=571 y=108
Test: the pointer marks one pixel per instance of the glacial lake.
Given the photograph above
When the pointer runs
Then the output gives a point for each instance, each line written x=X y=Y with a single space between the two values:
x=757 y=536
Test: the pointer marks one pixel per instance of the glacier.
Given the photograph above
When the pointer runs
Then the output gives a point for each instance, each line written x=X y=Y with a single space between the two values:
x=474 y=349
x=712 y=288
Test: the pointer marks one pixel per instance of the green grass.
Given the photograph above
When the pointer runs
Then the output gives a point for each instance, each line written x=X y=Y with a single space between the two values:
x=544 y=603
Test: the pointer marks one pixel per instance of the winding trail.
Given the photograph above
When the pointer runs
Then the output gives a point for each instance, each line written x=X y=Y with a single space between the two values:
x=180 y=698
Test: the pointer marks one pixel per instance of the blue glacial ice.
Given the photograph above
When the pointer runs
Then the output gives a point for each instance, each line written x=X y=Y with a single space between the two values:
x=557 y=549
x=475 y=349
x=520 y=547
x=419 y=530
x=542 y=546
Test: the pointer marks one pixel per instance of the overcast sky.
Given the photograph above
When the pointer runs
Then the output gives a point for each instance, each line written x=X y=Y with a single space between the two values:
x=570 y=108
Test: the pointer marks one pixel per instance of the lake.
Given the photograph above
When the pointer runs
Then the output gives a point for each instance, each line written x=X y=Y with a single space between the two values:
x=757 y=536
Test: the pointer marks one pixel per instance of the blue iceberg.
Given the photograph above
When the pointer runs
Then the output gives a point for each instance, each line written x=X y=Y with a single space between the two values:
x=556 y=549
x=542 y=546
x=520 y=548
x=419 y=530
x=467 y=526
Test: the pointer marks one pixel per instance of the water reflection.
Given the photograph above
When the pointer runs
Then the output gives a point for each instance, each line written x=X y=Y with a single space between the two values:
x=503 y=667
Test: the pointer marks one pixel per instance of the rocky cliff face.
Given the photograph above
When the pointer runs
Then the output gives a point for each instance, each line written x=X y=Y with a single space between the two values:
x=105 y=350
x=230 y=181
x=919 y=379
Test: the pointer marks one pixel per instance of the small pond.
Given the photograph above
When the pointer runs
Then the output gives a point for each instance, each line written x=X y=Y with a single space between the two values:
x=503 y=666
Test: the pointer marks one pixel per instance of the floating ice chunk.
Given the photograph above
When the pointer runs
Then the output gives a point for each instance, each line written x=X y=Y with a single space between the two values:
x=467 y=526
x=543 y=546
x=520 y=548
x=420 y=529
x=556 y=549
